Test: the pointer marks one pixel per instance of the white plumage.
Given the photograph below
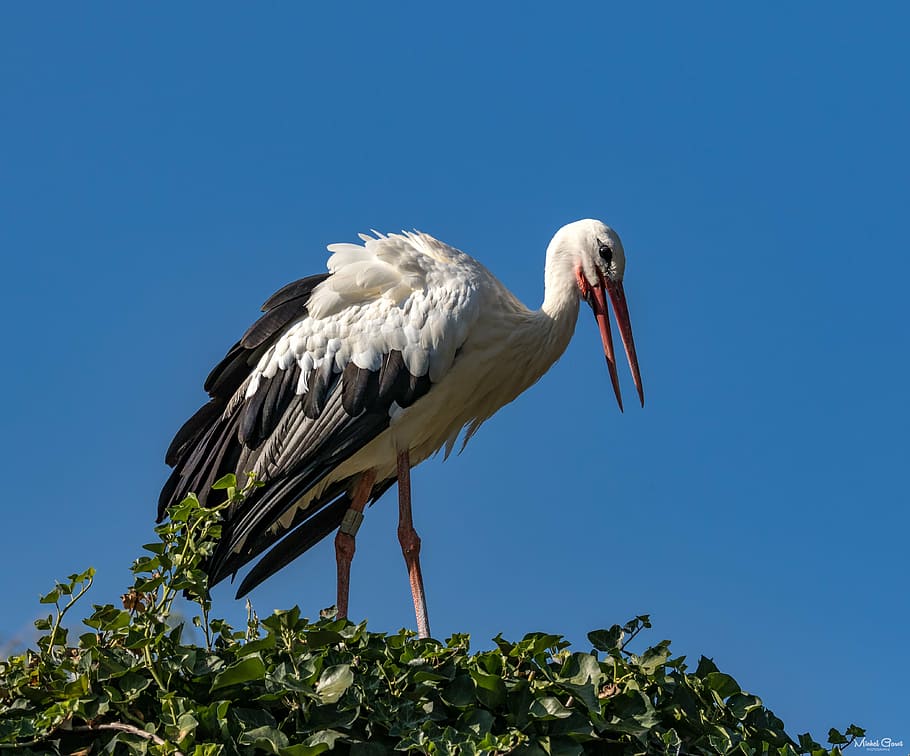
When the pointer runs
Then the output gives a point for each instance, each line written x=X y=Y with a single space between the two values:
x=353 y=377
x=405 y=292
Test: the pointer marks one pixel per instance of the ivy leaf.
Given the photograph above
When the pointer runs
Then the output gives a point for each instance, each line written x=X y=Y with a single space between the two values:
x=655 y=658
x=459 y=693
x=583 y=668
x=225 y=482
x=741 y=704
x=247 y=669
x=132 y=684
x=324 y=740
x=266 y=738
x=490 y=690
x=333 y=682
x=549 y=707
x=705 y=667
x=606 y=640
x=722 y=684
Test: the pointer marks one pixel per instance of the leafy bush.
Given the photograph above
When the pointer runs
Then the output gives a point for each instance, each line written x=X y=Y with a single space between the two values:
x=287 y=686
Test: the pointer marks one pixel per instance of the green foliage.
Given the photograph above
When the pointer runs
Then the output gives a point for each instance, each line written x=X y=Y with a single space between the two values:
x=288 y=686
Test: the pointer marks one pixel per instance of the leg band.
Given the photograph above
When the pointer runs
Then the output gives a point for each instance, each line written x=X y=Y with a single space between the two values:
x=350 y=524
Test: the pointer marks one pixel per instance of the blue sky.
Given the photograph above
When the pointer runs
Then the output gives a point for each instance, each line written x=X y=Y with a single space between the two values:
x=166 y=168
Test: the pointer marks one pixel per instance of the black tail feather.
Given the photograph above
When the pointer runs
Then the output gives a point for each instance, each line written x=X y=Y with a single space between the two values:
x=303 y=537
x=295 y=543
x=224 y=563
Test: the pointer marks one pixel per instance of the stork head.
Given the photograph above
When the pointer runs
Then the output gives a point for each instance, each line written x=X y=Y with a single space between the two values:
x=599 y=262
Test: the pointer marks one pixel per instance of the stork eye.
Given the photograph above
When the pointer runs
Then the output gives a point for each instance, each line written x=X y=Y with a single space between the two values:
x=606 y=252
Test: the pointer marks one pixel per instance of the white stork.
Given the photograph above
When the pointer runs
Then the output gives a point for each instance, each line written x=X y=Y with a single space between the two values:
x=352 y=377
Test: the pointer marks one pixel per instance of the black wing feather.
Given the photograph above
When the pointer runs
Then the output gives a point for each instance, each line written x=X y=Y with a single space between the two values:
x=300 y=289
x=249 y=522
x=273 y=322
x=227 y=376
x=191 y=430
x=361 y=389
x=252 y=409
x=233 y=431
x=244 y=528
x=197 y=440
x=264 y=410
x=296 y=543
x=321 y=381
x=281 y=393
x=233 y=370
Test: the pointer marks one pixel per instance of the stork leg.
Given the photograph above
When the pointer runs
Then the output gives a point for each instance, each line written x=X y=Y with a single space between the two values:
x=410 y=544
x=344 y=540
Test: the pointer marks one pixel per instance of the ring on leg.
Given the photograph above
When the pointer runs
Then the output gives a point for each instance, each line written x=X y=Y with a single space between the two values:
x=344 y=539
x=351 y=521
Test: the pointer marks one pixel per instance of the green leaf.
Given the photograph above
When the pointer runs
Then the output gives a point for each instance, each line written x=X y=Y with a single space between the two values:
x=807 y=744
x=606 y=640
x=214 y=718
x=107 y=617
x=705 y=667
x=319 y=742
x=320 y=638
x=246 y=670
x=741 y=704
x=655 y=658
x=564 y=747
x=634 y=625
x=490 y=689
x=333 y=682
x=722 y=684
x=720 y=741
x=460 y=692
x=81 y=577
x=186 y=725
x=549 y=707
x=304 y=750
x=225 y=482
x=266 y=738
x=583 y=668
x=479 y=721
x=132 y=684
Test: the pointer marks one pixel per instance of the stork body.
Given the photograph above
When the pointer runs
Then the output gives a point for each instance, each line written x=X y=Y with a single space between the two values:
x=353 y=377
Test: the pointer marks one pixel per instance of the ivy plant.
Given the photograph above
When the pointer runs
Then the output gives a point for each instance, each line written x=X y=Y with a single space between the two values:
x=134 y=684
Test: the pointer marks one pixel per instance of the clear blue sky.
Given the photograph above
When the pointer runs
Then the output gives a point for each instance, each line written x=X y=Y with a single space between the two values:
x=165 y=169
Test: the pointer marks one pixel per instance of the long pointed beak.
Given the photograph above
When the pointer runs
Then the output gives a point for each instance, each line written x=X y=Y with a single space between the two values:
x=621 y=310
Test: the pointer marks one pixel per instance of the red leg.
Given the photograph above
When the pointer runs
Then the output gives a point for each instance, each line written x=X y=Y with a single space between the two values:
x=410 y=544
x=344 y=540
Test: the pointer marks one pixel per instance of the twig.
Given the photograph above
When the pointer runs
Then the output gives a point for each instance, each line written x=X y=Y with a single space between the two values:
x=632 y=634
x=119 y=726
x=124 y=727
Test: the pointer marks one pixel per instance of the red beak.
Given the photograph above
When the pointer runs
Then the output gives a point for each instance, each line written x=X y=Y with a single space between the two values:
x=621 y=310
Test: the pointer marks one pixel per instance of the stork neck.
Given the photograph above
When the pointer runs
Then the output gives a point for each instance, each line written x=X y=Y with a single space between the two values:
x=561 y=298
x=561 y=295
